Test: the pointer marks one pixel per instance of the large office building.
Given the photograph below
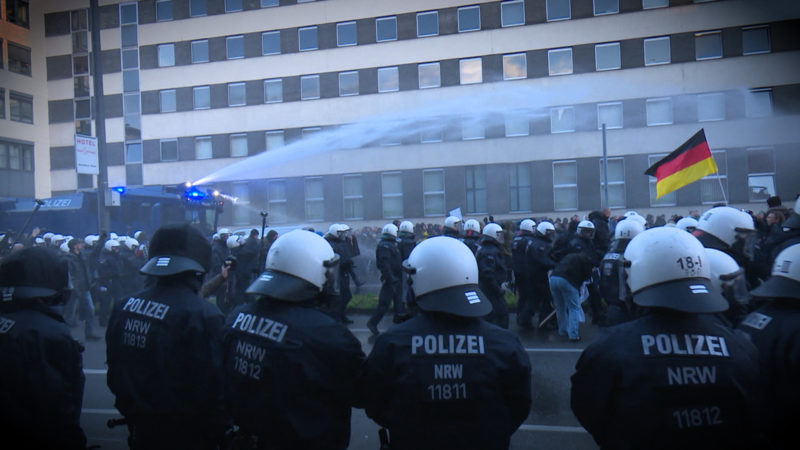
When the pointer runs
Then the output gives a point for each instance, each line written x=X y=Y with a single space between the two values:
x=361 y=111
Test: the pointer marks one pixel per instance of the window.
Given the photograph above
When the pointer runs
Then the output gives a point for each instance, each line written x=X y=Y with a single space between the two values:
x=128 y=13
x=2 y=103
x=18 y=12
x=710 y=107
x=708 y=45
x=558 y=10
x=315 y=199
x=238 y=145
x=130 y=80
x=472 y=128
x=273 y=91
x=234 y=46
x=306 y=132
x=470 y=71
x=200 y=51
x=353 y=194
x=131 y=103
x=133 y=153
x=562 y=119
x=203 y=148
x=81 y=86
x=233 y=5
x=309 y=87
x=431 y=133
x=469 y=18
x=476 y=190
x=427 y=24
x=167 y=100
x=711 y=185
x=307 y=38
x=386 y=29
x=80 y=42
x=163 y=10
x=606 y=56
x=659 y=111
x=80 y=64
x=761 y=173
x=276 y=199
x=758 y=103
x=166 y=55
x=512 y=13
x=269 y=3
x=129 y=36
x=433 y=192
x=21 y=106
x=609 y=114
x=130 y=59
x=78 y=20
x=236 y=94
x=515 y=66
x=169 y=149
x=271 y=43
x=83 y=110
x=755 y=40
x=388 y=79
x=202 y=97
x=649 y=4
x=16 y=156
x=345 y=34
x=429 y=75
x=197 y=8
x=519 y=187
x=348 y=83
x=602 y=7
x=133 y=127
x=657 y=51
x=274 y=139
x=517 y=125
x=559 y=61
x=666 y=200
x=392 y=194
x=19 y=59
x=565 y=185
x=616 y=183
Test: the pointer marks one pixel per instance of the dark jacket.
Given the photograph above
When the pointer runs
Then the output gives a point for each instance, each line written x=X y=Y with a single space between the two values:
x=389 y=260
x=575 y=268
x=519 y=256
x=539 y=260
x=492 y=269
x=79 y=273
x=406 y=243
x=439 y=381
x=602 y=232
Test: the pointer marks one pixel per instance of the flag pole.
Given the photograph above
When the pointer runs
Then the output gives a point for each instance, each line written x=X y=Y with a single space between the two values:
x=719 y=179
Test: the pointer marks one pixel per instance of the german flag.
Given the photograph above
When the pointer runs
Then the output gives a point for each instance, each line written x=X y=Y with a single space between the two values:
x=687 y=164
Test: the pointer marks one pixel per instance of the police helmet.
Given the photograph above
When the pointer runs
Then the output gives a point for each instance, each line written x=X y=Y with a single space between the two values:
x=793 y=221
x=586 y=229
x=724 y=223
x=35 y=272
x=527 y=225
x=138 y=235
x=57 y=239
x=389 y=229
x=113 y=236
x=122 y=241
x=177 y=248
x=637 y=218
x=110 y=244
x=234 y=241
x=723 y=267
x=669 y=268
x=132 y=243
x=48 y=237
x=333 y=230
x=472 y=225
x=687 y=224
x=39 y=242
x=406 y=227
x=91 y=239
x=631 y=213
x=344 y=227
x=299 y=265
x=546 y=228
x=444 y=277
x=785 y=279
x=452 y=222
x=493 y=232
x=627 y=229
x=64 y=247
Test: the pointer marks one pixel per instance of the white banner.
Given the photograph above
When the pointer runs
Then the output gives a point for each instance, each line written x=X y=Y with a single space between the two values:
x=456 y=212
x=86 y=155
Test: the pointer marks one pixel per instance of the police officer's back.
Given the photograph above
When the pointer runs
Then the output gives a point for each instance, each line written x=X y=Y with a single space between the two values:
x=775 y=331
x=164 y=349
x=612 y=274
x=521 y=266
x=472 y=235
x=41 y=380
x=493 y=272
x=292 y=369
x=445 y=378
x=676 y=377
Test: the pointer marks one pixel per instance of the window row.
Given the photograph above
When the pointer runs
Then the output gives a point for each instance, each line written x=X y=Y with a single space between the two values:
x=16 y=156
x=199 y=8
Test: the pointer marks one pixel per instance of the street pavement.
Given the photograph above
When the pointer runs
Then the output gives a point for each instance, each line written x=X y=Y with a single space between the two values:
x=550 y=425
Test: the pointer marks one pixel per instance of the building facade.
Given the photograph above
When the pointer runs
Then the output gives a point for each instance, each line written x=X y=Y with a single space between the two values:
x=364 y=110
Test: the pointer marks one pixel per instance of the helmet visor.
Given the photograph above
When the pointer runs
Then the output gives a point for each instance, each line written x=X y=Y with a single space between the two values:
x=692 y=295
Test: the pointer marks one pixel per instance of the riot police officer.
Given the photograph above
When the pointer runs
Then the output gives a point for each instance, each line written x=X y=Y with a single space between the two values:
x=726 y=229
x=406 y=241
x=164 y=349
x=676 y=377
x=493 y=273
x=728 y=278
x=291 y=370
x=775 y=330
x=472 y=234
x=540 y=264
x=41 y=382
x=612 y=274
x=451 y=227
x=336 y=237
x=389 y=262
x=523 y=281
x=445 y=378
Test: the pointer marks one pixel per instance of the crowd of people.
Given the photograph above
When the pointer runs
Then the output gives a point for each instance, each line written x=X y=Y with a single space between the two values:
x=698 y=349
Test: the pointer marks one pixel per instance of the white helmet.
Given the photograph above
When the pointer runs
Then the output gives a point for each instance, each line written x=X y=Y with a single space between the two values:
x=38 y=241
x=113 y=236
x=344 y=227
x=138 y=234
x=110 y=244
x=48 y=237
x=586 y=225
x=390 y=229
x=631 y=213
x=627 y=229
x=668 y=267
x=132 y=243
x=57 y=239
x=472 y=225
x=545 y=228
x=122 y=240
x=64 y=247
x=527 y=225
x=299 y=265
x=223 y=231
x=493 y=231
x=637 y=218
x=687 y=224
x=91 y=239
x=723 y=267
x=406 y=227
x=333 y=230
x=215 y=237
x=452 y=222
x=234 y=241
x=444 y=277
x=785 y=279
x=724 y=222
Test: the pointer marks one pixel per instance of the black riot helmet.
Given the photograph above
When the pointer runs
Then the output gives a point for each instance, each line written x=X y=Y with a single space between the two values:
x=35 y=272
x=177 y=248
